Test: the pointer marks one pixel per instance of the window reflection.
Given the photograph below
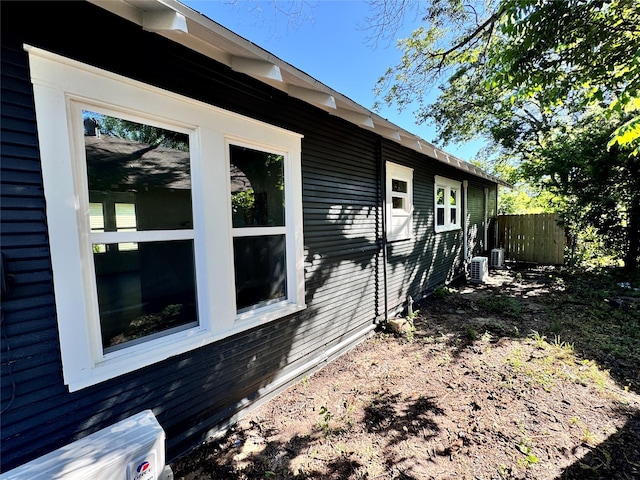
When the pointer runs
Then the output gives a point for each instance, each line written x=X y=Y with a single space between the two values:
x=397 y=203
x=398 y=186
x=139 y=179
x=145 y=292
x=145 y=169
x=257 y=188
x=260 y=268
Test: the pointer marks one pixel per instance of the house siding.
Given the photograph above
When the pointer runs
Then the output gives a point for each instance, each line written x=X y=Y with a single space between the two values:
x=428 y=259
x=475 y=218
x=199 y=391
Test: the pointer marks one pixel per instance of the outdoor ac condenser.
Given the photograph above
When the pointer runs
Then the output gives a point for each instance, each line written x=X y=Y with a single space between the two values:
x=132 y=449
x=478 y=269
x=497 y=258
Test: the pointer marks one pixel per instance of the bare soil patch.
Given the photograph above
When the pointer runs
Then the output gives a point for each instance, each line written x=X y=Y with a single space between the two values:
x=532 y=375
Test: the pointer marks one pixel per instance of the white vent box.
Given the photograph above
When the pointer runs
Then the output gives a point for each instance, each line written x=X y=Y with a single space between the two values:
x=132 y=449
x=497 y=258
x=479 y=269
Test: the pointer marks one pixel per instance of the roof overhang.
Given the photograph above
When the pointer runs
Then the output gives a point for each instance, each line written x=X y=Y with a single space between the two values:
x=185 y=26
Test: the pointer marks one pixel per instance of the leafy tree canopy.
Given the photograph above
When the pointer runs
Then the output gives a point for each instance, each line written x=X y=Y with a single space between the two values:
x=553 y=85
x=519 y=58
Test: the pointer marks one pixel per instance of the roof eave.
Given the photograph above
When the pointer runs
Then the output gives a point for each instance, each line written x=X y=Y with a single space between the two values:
x=183 y=25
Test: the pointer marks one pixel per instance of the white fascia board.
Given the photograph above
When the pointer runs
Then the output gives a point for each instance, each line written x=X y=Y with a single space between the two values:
x=255 y=67
x=164 y=20
x=313 y=96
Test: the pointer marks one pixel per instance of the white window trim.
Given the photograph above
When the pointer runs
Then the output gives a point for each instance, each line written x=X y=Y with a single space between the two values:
x=448 y=185
x=405 y=174
x=62 y=88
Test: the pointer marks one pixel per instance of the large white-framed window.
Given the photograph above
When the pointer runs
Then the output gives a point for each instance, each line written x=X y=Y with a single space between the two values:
x=149 y=253
x=447 y=204
x=399 y=201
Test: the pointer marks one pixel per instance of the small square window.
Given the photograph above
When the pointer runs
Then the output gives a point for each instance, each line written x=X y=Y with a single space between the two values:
x=398 y=203
x=398 y=185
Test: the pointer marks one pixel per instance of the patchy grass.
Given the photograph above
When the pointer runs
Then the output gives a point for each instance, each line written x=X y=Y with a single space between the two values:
x=533 y=375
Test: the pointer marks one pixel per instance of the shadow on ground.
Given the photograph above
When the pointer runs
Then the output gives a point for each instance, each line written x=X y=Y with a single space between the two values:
x=598 y=313
x=595 y=315
x=615 y=458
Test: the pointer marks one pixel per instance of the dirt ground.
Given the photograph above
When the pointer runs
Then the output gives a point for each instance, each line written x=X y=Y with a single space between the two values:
x=534 y=374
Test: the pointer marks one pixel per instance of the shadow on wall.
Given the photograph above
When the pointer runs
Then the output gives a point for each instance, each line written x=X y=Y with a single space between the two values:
x=343 y=263
x=340 y=270
x=419 y=265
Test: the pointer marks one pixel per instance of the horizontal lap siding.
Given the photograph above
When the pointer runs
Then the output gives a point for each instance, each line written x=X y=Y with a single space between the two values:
x=492 y=214
x=475 y=216
x=30 y=357
x=198 y=390
x=416 y=266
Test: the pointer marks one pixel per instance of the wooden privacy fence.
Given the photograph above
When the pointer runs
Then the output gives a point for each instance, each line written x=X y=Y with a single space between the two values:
x=536 y=238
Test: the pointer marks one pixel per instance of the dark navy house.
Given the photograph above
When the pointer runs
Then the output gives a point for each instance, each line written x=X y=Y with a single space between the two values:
x=190 y=224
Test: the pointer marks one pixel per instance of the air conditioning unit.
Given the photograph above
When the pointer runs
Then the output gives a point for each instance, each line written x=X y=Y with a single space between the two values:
x=479 y=269
x=132 y=449
x=497 y=258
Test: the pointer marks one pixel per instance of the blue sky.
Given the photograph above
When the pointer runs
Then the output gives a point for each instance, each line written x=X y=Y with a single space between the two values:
x=329 y=41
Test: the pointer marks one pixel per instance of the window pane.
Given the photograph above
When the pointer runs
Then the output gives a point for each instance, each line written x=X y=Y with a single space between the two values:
x=440 y=216
x=257 y=188
x=452 y=197
x=454 y=216
x=99 y=248
x=260 y=270
x=125 y=217
x=440 y=196
x=126 y=222
x=96 y=217
x=398 y=186
x=397 y=202
x=140 y=165
x=146 y=292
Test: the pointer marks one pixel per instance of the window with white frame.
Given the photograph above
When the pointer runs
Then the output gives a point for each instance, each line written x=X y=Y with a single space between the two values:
x=399 y=187
x=258 y=221
x=172 y=223
x=448 y=202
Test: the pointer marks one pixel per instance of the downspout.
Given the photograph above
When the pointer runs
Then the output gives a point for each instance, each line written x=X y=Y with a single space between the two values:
x=465 y=229
x=383 y=208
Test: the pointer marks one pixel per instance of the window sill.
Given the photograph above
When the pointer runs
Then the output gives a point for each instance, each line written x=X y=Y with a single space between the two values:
x=260 y=316
x=127 y=360
x=401 y=239
x=447 y=229
x=140 y=356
